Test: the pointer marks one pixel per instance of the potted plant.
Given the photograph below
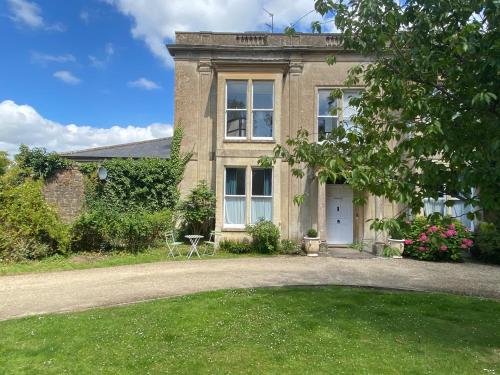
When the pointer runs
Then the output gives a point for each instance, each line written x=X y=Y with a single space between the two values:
x=392 y=252
x=312 y=242
x=396 y=237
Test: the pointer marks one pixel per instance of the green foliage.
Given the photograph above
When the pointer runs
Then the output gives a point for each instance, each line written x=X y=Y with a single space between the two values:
x=29 y=228
x=312 y=233
x=198 y=210
x=265 y=237
x=431 y=90
x=390 y=252
x=289 y=247
x=38 y=163
x=235 y=247
x=396 y=228
x=103 y=229
x=358 y=245
x=436 y=238
x=138 y=184
x=4 y=162
x=488 y=243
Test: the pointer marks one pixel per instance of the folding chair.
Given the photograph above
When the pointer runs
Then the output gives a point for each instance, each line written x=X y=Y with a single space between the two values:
x=212 y=242
x=172 y=244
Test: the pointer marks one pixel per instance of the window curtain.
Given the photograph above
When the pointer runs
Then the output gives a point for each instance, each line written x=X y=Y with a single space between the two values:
x=231 y=181
x=348 y=111
x=434 y=205
x=268 y=177
x=234 y=210
x=262 y=208
x=459 y=211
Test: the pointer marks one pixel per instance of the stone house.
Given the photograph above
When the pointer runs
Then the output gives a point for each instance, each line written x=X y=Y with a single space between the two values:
x=237 y=95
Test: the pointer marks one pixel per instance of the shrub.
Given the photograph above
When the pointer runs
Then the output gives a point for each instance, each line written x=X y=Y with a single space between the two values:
x=288 y=247
x=39 y=163
x=265 y=237
x=312 y=233
x=488 y=243
x=198 y=210
x=436 y=239
x=390 y=251
x=132 y=231
x=235 y=247
x=29 y=227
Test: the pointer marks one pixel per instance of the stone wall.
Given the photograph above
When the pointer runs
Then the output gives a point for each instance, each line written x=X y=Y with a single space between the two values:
x=65 y=191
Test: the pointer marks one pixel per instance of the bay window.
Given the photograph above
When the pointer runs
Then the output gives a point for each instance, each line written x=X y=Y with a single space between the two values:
x=235 y=197
x=262 y=196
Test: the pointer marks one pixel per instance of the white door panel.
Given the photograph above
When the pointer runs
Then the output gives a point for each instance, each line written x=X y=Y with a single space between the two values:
x=339 y=214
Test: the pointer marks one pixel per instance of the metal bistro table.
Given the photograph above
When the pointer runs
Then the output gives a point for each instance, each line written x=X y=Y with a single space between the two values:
x=194 y=239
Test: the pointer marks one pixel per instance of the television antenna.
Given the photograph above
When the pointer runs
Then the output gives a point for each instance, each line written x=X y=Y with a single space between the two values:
x=271 y=25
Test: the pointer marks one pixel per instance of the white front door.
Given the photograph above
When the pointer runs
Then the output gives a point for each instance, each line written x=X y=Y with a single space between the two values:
x=339 y=210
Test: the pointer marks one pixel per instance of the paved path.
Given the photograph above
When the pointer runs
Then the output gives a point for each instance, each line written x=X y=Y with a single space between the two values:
x=41 y=293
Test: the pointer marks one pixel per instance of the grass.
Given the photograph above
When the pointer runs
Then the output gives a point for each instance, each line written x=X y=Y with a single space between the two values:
x=99 y=260
x=322 y=330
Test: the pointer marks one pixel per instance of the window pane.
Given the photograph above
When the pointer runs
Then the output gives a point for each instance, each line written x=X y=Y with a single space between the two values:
x=262 y=208
x=325 y=126
x=263 y=94
x=236 y=123
x=236 y=94
x=234 y=210
x=235 y=181
x=263 y=124
x=262 y=182
x=348 y=110
x=324 y=104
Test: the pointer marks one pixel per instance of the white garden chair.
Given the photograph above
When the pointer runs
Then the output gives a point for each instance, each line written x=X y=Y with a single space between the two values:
x=212 y=243
x=172 y=244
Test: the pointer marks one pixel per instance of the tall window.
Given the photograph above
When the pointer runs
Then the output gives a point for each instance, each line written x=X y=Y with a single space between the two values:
x=348 y=110
x=327 y=114
x=263 y=109
x=234 y=197
x=262 y=196
x=236 y=109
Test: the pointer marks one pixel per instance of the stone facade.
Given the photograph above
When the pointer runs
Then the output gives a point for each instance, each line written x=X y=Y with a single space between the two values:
x=205 y=61
x=66 y=192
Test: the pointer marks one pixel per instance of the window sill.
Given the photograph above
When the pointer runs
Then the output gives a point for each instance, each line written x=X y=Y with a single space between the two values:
x=236 y=140
x=233 y=229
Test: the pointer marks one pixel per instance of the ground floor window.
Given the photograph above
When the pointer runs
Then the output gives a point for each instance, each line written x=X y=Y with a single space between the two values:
x=458 y=210
x=235 y=197
x=262 y=197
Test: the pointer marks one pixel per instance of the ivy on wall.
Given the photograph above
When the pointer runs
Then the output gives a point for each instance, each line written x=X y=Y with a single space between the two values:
x=138 y=184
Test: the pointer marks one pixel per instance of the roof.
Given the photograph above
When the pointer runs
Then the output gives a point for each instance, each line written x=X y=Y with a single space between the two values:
x=155 y=148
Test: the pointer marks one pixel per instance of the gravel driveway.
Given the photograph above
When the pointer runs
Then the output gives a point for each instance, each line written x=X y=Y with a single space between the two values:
x=42 y=293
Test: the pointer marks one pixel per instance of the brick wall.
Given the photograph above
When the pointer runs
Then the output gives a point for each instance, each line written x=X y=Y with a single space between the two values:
x=65 y=191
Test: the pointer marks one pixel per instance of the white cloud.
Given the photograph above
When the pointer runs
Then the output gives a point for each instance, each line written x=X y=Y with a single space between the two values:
x=28 y=13
x=155 y=21
x=67 y=77
x=85 y=16
x=109 y=51
x=22 y=124
x=44 y=59
x=144 y=83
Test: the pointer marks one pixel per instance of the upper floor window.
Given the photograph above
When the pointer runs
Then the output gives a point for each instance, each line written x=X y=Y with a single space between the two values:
x=263 y=109
x=332 y=111
x=259 y=110
x=236 y=109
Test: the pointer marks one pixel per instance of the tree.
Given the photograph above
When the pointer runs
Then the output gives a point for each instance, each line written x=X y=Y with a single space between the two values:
x=198 y=209
x=4 y=162
x=429 y=117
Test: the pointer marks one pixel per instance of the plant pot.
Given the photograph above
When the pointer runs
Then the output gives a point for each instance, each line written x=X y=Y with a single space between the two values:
x=398 y=244
x=311 y=245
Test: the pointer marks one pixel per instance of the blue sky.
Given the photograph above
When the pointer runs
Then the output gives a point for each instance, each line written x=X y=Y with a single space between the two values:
x=78 y=74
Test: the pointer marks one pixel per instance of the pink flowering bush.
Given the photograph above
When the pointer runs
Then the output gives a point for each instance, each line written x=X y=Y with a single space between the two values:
x=437 y=239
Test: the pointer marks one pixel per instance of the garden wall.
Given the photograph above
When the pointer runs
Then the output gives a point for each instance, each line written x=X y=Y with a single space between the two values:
x=65 y=191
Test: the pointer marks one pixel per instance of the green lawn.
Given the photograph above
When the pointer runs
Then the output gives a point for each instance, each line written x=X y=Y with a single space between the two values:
x=96 y=260
x=323 y=330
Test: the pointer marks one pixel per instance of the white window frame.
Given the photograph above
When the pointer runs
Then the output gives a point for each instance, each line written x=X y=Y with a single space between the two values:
x=340 y=106
x=235 y=110
x=270 y=197
x=237 y=226
x=262 y=109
